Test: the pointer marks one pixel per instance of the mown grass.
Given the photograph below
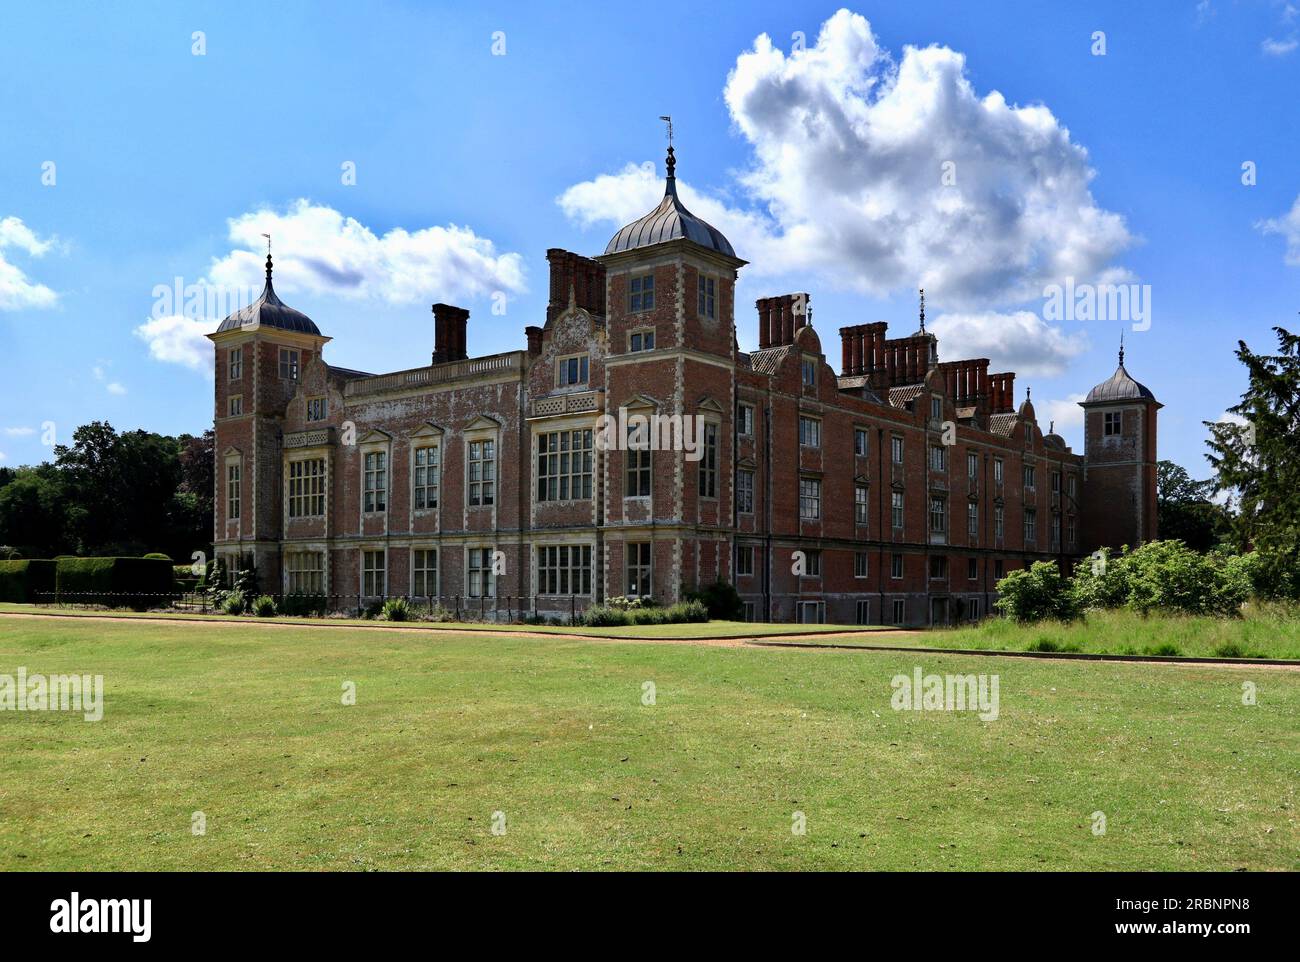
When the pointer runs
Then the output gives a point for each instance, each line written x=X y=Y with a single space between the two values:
x=245 y=723
x=710 y=629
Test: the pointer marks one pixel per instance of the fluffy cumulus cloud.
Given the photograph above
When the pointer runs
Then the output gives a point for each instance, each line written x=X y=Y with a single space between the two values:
x=1019 y=341
x=1278 y=48
x=1287 y=226
x=879 y=174
x=321 y=251
x=17 y=290
x=177 y=339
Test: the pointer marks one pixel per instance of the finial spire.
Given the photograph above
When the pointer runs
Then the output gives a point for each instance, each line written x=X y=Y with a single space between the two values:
x=671 y=163
x=923 y=310
x=1121 y=348
x=268 y=257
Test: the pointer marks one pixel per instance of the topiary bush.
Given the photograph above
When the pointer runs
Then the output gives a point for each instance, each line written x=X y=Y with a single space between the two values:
x=27 y=581
x=113 y=582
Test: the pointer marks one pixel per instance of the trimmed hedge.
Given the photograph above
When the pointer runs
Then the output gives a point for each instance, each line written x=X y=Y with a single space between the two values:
x=23 y=581
x=114 y=582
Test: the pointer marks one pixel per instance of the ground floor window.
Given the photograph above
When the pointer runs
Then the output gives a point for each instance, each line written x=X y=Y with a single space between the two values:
x=900 y=611
x=564 y=569
x=479 y=581
x=638 y=570
x=864 y=612
x=372 y=574
x=809 y=612
x=749 y=611
x=306 y=572
x=424 y=573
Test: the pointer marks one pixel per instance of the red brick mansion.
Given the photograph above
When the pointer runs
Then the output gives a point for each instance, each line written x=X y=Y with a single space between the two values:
x=897 y=491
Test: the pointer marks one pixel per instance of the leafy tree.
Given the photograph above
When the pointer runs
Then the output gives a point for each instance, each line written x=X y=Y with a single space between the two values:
x=1258 y=463
x=111 y=493
x=1184 y=511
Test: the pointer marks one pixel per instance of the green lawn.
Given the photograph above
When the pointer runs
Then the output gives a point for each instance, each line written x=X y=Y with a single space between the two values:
x=712 y=629
x=246 y=724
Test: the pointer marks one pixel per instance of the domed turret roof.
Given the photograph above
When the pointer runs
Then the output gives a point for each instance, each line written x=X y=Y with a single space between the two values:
x=269 y=311
x=669 y=221
x=1120 y=386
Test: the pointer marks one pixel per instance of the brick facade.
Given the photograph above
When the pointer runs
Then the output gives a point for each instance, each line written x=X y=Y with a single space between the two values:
x=328 y=460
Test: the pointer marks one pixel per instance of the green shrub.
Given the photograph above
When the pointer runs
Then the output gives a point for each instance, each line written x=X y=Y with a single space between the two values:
x=1101 y=581
x=396 y=609
x=263 y=606
x=158 y=556
x=721 y=599
x=303 y=606
x=603 y=616
x=113 y=582
x=233 y=602
x=26 y=582
x=1035 y=593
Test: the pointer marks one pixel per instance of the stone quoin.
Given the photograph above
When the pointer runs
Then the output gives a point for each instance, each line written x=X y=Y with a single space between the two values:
x=897 y=491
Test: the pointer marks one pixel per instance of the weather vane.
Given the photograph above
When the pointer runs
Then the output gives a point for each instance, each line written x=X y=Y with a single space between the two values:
x=268 y=244
x=669 y=121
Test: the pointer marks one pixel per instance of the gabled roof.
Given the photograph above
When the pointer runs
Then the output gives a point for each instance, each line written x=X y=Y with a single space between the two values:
x=1002 y=424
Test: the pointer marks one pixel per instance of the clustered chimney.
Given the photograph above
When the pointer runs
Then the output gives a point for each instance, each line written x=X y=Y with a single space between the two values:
x=577 y=275
x=781 y=317
x=886 y=363
x=967 y=383
x=1002 y=393
x=449 y=333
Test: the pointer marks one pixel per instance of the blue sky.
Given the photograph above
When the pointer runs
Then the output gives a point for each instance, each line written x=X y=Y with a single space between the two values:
x=469 y=165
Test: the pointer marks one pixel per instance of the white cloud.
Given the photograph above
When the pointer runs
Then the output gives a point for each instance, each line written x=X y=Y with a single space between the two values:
x=3 y=456
x=320 y=251
x=1067 y=413
x=1020 y=341
x=1287 y=226
x=101 y=375
x=19 y=432
x=177 y=339
x=849 y=149
x=17 y=291
x=1279 y=48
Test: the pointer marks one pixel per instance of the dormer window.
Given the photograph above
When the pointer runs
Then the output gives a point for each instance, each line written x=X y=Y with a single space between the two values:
x=317 y=409
x=808 y=371
x=936 y=408
x=573 y=370
x=642 y=293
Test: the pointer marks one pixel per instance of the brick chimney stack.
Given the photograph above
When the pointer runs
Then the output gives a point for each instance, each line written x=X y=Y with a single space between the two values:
x=780 y=318
x=573 y=275
x=449 y=333
x=1002 y=393
x=534 y=335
